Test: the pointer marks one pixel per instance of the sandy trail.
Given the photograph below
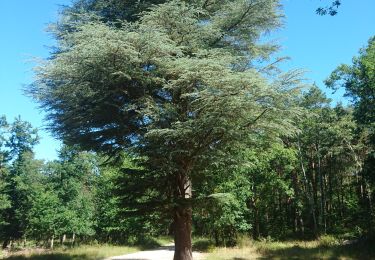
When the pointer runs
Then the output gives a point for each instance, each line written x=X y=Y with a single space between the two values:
x=162 y=253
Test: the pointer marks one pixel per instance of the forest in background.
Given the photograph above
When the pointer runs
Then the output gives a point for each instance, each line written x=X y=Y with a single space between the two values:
x=174 y=121
x=317 y=182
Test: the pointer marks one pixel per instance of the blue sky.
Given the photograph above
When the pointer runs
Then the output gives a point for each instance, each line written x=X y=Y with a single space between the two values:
x=314 y=43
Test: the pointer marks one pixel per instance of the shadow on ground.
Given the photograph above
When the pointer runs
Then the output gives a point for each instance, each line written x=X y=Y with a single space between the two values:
x=53 y=257
x=70 y=256
x=360 y=250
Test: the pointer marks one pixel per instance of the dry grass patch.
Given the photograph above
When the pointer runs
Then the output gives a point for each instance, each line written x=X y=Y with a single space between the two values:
x=234 y=253
x=94 y=252
x=325 y=248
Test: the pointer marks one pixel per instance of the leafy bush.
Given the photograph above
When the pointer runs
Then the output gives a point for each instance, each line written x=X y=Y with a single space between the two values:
x=203 y=245
x=328 y=241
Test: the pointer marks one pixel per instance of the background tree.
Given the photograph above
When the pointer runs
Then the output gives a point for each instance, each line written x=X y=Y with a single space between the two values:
x=4 y=197
x=331 y=9
x=46 y=217
x=22 y=179
x=358 y=80
x=73 y=178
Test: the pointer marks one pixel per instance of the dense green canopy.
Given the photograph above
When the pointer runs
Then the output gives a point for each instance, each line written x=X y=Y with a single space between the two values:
x=177 y=87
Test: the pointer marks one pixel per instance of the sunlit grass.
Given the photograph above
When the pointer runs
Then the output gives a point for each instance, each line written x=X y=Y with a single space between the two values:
x=164 y=240
x=86 y=252
x=89 y=252
x=234 y=253
x=325 y=248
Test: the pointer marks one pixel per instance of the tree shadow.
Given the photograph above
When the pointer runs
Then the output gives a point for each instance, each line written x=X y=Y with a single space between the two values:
x=353 y=251
x=203 y=245
x=49 y=256
x=147 y=243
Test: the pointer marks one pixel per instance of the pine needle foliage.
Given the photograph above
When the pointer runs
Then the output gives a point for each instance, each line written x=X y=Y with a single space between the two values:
x=176 y=87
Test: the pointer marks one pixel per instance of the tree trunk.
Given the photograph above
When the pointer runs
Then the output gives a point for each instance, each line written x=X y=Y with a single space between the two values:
x=302 y=225
x=322 y=215
x=310 y=193
x=5 y=243
x=62 y=239
x=256 y=229
x=182 y=234
x=369 y=196
x=52 y=241
x=183 y=220
x=295 y=221
x=73 y=239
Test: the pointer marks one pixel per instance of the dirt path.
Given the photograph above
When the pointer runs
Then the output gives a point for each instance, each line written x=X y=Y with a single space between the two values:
x=162 y=253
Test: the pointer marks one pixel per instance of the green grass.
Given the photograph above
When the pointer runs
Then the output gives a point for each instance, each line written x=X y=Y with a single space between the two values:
x=325 y=248
x=164 y=240
x=202 y=244
x=86 y=252
x=94 y=252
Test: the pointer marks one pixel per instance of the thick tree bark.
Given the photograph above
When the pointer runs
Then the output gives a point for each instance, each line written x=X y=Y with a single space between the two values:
x=182 y=234
x=183 y=220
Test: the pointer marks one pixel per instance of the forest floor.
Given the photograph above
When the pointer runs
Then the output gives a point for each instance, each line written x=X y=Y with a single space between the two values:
x=162 y=253
x=86 y=252
x=325 y=248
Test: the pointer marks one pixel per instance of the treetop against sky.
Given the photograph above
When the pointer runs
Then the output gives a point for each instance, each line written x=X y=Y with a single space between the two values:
x=315 y=43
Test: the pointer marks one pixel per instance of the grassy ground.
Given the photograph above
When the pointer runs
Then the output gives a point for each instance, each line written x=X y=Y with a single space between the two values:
x=326 y=248
x=84 y=252
x=94 y=252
